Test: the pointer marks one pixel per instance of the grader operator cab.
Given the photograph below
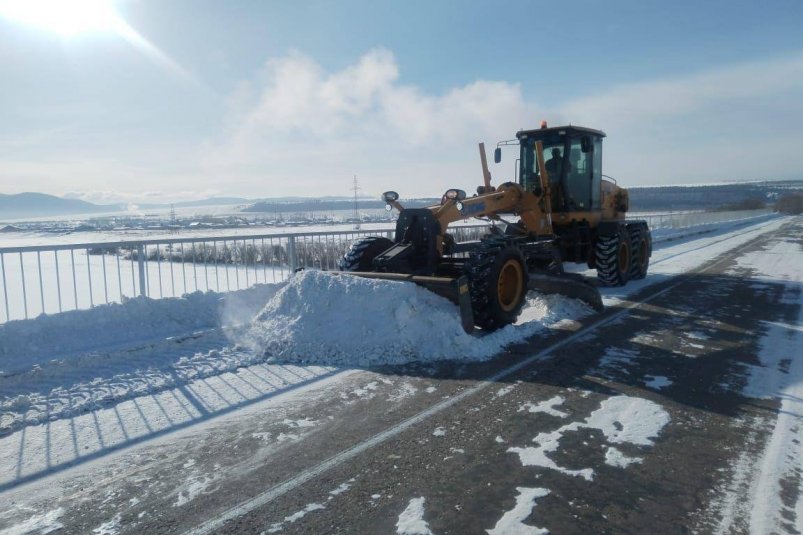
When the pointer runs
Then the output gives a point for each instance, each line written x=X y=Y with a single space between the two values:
x=559 y=210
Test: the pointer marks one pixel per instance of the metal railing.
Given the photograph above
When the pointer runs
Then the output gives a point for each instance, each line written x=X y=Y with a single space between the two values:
x=680 y=220
x=56 y=278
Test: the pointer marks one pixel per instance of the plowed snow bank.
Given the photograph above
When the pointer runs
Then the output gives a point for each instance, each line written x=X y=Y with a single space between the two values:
x=341 y=320
x=24 y=343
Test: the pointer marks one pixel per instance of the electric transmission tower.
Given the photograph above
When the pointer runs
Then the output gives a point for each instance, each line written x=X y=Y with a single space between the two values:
x=355 y=188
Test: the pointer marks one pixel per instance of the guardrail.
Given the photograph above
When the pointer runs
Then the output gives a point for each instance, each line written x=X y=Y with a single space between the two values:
x=680 y=220
x=55 y=278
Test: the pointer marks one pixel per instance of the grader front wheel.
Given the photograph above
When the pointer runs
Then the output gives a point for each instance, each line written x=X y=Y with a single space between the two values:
x=498 y=278
x=510 y=285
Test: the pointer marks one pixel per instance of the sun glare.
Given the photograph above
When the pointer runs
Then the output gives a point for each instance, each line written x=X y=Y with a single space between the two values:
x=63 y=17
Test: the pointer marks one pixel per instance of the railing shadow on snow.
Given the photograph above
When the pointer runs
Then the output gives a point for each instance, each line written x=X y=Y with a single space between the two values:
x=35 y=451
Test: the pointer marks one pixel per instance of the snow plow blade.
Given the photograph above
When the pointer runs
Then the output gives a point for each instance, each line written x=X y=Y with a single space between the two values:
x=457 y=291
x=570 y=285
x=454 y=289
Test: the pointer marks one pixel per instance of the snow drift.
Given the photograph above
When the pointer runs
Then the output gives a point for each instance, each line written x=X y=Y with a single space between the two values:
x=326 y=318
x=105 y=327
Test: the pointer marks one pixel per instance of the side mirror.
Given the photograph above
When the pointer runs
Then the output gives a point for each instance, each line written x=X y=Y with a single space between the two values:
x=498 y=155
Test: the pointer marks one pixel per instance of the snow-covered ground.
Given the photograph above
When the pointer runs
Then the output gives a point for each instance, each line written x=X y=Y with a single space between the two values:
x=765 y=494
x=77 y=385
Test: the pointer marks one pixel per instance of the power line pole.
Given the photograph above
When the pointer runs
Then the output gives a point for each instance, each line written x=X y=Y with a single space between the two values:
x=173 y=222
x=355 y=188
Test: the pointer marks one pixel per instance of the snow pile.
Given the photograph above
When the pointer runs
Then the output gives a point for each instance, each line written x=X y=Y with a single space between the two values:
x=24 y=343
x=352 y=321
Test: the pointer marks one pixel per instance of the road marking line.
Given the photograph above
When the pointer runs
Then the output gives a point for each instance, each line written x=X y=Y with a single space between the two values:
x=283 y=488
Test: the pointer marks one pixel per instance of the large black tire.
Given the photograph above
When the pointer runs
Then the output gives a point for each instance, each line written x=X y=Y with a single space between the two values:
x=614 y=257
x=641 y=246
x=362 y=252
x=498 y=277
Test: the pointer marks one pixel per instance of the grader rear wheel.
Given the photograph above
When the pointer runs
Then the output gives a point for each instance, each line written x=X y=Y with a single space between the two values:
x=614 y=256
x=640 y=244
x=362 y=252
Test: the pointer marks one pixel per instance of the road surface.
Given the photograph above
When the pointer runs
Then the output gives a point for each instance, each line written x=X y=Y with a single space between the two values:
x=676 y=410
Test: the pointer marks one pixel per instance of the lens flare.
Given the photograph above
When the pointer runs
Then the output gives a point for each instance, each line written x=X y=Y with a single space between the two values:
x=66 y=17
x=72 y=18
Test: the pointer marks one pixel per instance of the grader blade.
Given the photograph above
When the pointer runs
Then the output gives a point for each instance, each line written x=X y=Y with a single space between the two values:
x=454 y=289
x=570 y=285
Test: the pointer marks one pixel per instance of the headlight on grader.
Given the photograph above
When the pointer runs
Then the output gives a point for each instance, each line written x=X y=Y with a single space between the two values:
x=453 y=195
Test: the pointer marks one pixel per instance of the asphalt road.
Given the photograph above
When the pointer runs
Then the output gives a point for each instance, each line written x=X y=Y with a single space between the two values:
x=350 y=453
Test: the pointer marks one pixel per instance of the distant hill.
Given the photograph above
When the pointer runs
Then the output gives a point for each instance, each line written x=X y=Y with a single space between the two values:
x=327 y=205
x=642 y=199
x=707 y=196
x=31 y=204
x=212 y=201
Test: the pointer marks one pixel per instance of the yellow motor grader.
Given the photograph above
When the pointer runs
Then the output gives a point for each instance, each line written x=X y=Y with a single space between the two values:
x=561 y=209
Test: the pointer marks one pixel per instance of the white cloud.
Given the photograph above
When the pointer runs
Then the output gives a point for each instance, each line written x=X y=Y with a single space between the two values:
x=298 y=96
x=302 y=123
x=697 y=93
x=733 y=123
x=299 y=129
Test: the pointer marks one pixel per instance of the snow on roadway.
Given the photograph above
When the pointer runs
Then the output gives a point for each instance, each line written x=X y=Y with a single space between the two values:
x=411 y=520
x=512 y=522
x=65 y=396
x=622 y=419
x=38 y=523
x=766 y=494
x=546 y=407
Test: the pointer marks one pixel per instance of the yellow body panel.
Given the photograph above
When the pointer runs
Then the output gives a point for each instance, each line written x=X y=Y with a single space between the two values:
x=534 y=211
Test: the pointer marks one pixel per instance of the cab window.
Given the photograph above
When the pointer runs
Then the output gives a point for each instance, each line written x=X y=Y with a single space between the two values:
x=578 y=177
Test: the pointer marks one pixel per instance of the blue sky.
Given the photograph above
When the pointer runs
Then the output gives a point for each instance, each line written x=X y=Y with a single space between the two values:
x=259 y=99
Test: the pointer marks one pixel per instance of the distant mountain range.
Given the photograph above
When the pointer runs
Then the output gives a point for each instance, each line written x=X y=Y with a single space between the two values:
x=212 y=201
x=649 y=198
x=42 y=205
x=23 y=205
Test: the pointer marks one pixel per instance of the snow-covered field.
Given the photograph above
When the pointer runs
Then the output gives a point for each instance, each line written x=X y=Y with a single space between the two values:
x=76 y=385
